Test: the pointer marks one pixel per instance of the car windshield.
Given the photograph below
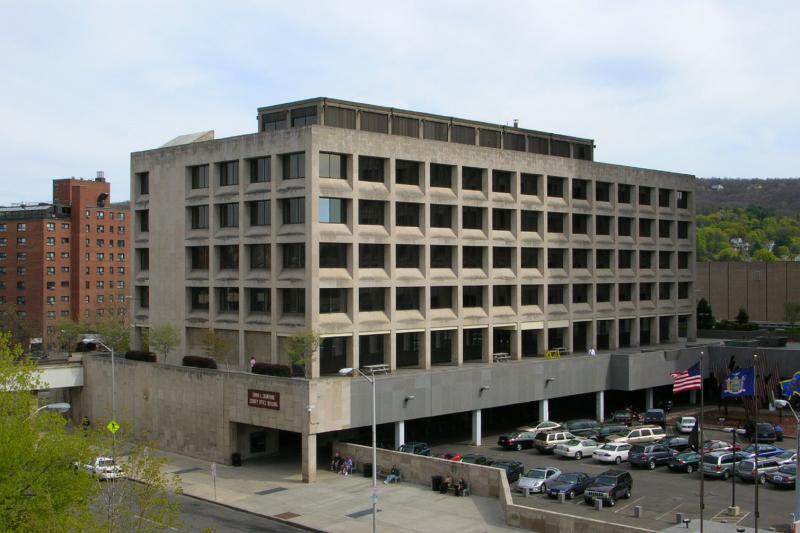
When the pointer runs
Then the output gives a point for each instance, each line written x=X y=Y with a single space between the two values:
x=105 y=463
x=605 y=480
x=786 y=455
x=536 y=474
x=763 y=426
x=788 y=469
x=515 y=435
x=568 y=478
x=687 y=455
x=609 y=447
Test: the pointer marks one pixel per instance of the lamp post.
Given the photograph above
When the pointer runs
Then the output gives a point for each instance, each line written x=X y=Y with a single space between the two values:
x=782 y=404
x=734 y=431
x=59 y=406
x=371 y=379
x=113 y=433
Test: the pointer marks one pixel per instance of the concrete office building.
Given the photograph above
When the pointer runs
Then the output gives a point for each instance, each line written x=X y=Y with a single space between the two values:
x=426 y=243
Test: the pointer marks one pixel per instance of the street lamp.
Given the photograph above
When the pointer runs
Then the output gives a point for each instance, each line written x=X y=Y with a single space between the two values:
x=60 y=407
x=734 y=431
x=782 y=404
x=349 y=372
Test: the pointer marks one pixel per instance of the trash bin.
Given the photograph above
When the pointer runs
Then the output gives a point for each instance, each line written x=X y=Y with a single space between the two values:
x=236 y=459
x=367 y=468
x=436 y=483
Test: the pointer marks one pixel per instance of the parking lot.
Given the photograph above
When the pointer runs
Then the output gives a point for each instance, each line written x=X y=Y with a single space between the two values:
x=660 y=493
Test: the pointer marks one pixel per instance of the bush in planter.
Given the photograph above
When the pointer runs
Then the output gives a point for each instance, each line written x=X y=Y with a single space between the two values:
x=139 y=355
x=269 y=369
x=742 y=317
x=731 y=325
x=199 y=361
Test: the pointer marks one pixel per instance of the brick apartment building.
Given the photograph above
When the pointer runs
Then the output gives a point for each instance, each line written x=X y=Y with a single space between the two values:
x=65 y=259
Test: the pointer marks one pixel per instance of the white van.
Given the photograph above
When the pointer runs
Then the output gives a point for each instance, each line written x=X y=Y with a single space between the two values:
x=637 y=435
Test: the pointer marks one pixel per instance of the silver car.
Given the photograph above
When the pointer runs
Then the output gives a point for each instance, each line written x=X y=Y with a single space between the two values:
x=534 y=479
x=746 y=469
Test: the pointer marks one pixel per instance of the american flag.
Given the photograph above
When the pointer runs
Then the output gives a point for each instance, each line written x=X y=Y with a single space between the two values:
x=688 y=379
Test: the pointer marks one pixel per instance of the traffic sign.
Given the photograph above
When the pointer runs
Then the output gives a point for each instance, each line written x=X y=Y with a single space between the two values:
x=113 y=427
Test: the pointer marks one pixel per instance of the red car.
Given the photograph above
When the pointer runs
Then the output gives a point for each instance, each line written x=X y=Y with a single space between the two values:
x=456 y=457
x=719 y=446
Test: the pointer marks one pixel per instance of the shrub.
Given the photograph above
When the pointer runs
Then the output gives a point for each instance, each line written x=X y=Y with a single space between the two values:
x=199 y=361
x=139 y=355
x=270 y=369
x=732 y=325
x=705 y=317
x=742 y=317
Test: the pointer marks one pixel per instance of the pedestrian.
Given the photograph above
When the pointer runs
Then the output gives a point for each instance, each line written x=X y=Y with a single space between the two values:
x=252 y=363
x=592 y=351
x=394 y=475
x=85 y=423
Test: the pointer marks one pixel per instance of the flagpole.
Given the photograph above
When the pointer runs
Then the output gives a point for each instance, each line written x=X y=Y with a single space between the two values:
x=755 y=435
x=700 y=445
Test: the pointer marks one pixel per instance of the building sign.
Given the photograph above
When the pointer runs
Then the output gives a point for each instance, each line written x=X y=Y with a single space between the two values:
x=263 y=399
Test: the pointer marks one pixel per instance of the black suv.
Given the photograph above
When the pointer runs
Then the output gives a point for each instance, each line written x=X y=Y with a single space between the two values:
x=513 y=469
x=603 y=431
x=580 y=427
x=655 y=417
x=609 y=486
x=417 y=448
x=650 y=455
x=766 y=432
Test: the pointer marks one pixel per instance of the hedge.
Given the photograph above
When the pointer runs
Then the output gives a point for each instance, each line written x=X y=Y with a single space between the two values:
x=138 y=355
x=270 y=369
x=732 y=325
x=199 y=361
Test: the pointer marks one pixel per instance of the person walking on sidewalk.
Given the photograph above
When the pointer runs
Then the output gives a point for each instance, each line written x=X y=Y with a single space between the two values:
x=252 y=363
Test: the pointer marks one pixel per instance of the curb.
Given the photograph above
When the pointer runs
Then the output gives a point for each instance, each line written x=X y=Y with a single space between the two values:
x=268 y=517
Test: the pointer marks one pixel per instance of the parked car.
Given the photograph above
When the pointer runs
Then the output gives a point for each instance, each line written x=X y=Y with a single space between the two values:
x=685 y=424
x=719 y=446
x=580 y=427
x=455 y=457
x=638 y=435
x=718 y=464
x=787 y=457
x=746 y=470
x=679 y=444
x=609 y=486
x=535 y=478
x=685 y=462
x=622 y=416
x=570 y=484
x=536 y=427
x=417 y=448
x=545 y=441
x=764 y=450
x=613 y=452
x=649 y=455
x=577 y=448
x=104 y=468
x=475 y=459
x=603 y=431
x=513 y=469
x=785 y=477
x=517 y=440
x=766 y=432
x=655 y=417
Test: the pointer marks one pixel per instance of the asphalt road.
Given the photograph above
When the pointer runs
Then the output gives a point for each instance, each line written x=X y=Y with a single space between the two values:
x=661 y=493
x=198 y=515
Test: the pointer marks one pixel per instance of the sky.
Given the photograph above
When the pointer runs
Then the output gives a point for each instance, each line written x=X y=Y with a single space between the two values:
x=709 y=88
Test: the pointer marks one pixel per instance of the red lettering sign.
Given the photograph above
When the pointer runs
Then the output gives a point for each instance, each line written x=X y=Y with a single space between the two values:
x=264 y=399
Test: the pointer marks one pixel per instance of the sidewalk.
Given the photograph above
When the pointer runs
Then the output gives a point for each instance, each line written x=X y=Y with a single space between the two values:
x=273 y=488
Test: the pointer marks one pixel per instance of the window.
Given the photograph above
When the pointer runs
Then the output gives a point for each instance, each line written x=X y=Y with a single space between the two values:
x=294 y=210
x=501 y=181
x=555 y=187
x=580 y=189
x=472 y=217
x=645 y=292
x=530 y=294
x=645 y=227
x=199 y=176
x=580 y=224
x=441 y=175
x=371 y=212
x=376 y=122
x=4 y=228
x=556 y=294
x=556 y=258
x=441 y=256
x=683 y=260
x=602 y=191
x=333 y=211
x=625 y=259
x=471 y=179
x=559 y=148
x=3 y=241
x=502 y=219
x=501 y=257
x=664 y=197
x=370 y=169
x=683 y=229
x=683 y=290
x=371 y=255
x=530 y=258
x=625 y=226
x=602 y=225
x=294 y=165
x=51 y=271
x=664 y=291
x=407 y=298
x=624 y=193
x=22 y=241
x=228 y=256
x=294 y=301
x=489 y=138
x=198 y=298
x=645 y=194
x=406 y=172
x=198 y=257
x=580 y=258
x=20 y=285
x=332 y=166
x=529 y=220
x=604 y=292
x=228 y=299
x=144 y=221
x=258 y=300
x=143 y=294
x=472 y=296
x=304 y=116
x=472 y=256
x=259 y=256
x=21 y=226
x=274 y=121
x=407 y=255
x=22 y=256
x=407 y=214
x=645 y=259
x=664 y=229
x=441 y=216
x=228 y=215
x=555 y=222
x=294 y=255
x=21 y=271
x=102 y=229
x=463 y=134
x=683 y=199
x=260 y=213
x=144 y=258
x=436 y=131
x=602 y=259
x=20 y=300
x=501 y=295
x=260 y=170
x=332 y=255
x=340 y=117
x=333 y=300
x=441 y=297
x=408 y=127
x=371 y=299
x=580 y=293
x=51 y=226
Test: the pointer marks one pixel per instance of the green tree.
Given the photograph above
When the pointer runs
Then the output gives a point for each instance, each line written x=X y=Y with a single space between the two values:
x=301 y=347
x=764 y=255
x=68 y=333
x=705 y=317
x=729 y=254
x=742 y=317
x=213 y=344
x=114 y=334
x=21 y=326
x=163 y=339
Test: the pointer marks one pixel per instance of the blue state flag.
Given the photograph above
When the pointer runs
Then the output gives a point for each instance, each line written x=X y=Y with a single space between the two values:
x=791 y=386
x=740 y=384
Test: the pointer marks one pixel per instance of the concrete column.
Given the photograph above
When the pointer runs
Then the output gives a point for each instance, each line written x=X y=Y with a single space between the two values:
x=488 y=345
x=613 y=340
x=309 y=466
x=691 y=328
x=458 y=343
x=648 y=398
x=399 y=433
x=352 y=352
x=542 y=340
x=693 y=397
x=273 y=345
x=244 y=358
x=516 y=344
x=635 y=332
x=544 y=410
x=655 y=329
x=425 y=350
x=476 y=427
x=390 y=338
x=600 y=405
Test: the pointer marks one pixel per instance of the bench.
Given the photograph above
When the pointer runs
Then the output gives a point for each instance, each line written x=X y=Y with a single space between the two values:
x=384 y=473
x=375 y=369
x=501 y=357
x=554 y=353
x=452 y=489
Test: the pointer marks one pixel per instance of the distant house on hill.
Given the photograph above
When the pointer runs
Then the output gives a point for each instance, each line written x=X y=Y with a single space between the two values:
x=718 y=187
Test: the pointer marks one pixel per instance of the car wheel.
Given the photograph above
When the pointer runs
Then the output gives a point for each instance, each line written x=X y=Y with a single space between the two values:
x=628 y=494
x=618 y=460
x=571 y=495
x=578 y=455
x=612 y=501
x=651 y=465
x=726 y=475
x=689 y=469
x=518 y=446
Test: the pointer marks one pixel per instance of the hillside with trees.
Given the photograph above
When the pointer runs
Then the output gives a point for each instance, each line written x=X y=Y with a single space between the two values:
x=781 y=195
x=747 y=234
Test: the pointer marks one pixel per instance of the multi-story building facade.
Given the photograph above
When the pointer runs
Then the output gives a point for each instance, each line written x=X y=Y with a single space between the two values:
x=67 y=259
x=408 y=239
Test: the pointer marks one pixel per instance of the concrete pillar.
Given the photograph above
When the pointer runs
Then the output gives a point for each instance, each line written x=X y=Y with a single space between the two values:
x=516 y=344
x=600 y=405
x=458 y=343
x=352 y=352
x=693 y=397
x=648 y=398
x=488 y=344
x=392 y=350
x=655 y=329
x=399 y=433
x=691 y=329
x=425 y=349
x=476 y=427
x=309 y=466
x=544 y=410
